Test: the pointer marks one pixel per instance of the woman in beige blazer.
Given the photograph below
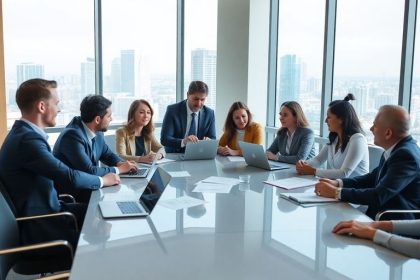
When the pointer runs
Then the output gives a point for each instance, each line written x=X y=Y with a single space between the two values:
x=135 y=140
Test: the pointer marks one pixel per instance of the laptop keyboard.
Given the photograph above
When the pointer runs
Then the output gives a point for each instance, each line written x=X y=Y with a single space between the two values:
x=137 y=172
x=129 y=207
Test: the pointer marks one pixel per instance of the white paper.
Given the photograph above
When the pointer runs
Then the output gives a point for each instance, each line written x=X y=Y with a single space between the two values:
x=235 y=159
x=307 y=198
x=164 y=160
x=181 y=202
x=212 y=188
x=292 y=183
x=221 y=180
x=176 y=174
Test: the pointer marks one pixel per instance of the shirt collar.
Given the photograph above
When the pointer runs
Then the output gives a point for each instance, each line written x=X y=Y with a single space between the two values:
x=90 y=134
x=387 y=153
x=37 y=129
x=189 y=111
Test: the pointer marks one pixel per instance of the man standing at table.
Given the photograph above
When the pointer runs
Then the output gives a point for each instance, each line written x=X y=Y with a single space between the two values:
x=29 y=170
x=188 y=121
x=81 y=144
x=395 y=183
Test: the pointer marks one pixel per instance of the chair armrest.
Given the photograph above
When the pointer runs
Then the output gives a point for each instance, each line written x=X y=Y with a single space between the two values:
x=380 y=214
x=39 y=246
x=65 y=275
x=67 y=198
x=49 y=216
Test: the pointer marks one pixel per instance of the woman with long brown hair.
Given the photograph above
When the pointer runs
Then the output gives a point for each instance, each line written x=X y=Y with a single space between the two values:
x=239 y=127
x=135 y=140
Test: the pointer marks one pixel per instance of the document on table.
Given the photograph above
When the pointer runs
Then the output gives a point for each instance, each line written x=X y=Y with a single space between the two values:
x=181 y=202
x=212 y=188
x=160 y=161
x=307 y=197
x=221 y=180
x=292 y=183
x=177 y=174
x=235 y=159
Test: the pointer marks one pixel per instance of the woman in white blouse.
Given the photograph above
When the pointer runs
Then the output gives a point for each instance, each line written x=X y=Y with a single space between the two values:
x=386 y=233
x=347 y=152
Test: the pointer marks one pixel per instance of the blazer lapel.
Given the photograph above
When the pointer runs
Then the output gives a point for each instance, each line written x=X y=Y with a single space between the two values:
x=132 y=144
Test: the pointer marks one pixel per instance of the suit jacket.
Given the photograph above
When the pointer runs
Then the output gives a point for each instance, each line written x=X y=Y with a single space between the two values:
x=126 y=145
x=253 y=134
x=29 y=171
x=174 y=126
x=74 y=148
x=301 y=148
x=394 y=184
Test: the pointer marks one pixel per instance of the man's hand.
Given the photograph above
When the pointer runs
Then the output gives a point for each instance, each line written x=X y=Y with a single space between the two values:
x=126 y=166
x=190 y=138
x=325 y=189
x=271 y=156
x=111 y=179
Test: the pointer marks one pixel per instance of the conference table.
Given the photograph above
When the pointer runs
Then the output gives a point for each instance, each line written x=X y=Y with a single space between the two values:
x=248 y=233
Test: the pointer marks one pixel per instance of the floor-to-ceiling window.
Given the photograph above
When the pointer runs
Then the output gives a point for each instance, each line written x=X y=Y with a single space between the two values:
x=44 y=39
x=200 y=54
x=139 y=56
x=368 y=54
x=415 y=93
x=300 y=53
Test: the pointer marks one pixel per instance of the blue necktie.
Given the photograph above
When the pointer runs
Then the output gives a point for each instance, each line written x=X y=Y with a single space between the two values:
x=193 y=126
x=94 y=149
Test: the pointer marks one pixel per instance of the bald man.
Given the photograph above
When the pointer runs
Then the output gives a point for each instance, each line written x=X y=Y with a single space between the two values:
x=395 y=183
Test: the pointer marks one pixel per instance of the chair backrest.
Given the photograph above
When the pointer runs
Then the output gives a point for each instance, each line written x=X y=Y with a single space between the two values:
x=9 y=237
x=110 y=141
x=375 y=153
x=7 y=198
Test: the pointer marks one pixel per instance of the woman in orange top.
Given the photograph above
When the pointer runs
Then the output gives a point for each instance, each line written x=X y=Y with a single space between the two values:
x=239 y=127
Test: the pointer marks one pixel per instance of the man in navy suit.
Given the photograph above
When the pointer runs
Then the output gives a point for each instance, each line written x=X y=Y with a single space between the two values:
x=188 y=121
x=29 y=170
x=81 y=144
x=395 y=183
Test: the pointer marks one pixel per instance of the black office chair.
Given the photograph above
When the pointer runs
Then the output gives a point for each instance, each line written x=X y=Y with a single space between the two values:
x=39 y=258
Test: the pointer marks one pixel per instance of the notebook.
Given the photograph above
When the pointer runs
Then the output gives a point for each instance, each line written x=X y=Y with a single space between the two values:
x=254 y=155
x=142 y=171
x=144 y=205
x=203 y=149
x=303 y=198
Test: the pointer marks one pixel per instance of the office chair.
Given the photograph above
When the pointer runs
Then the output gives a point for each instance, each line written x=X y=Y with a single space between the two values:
x=375 y=154
x=39 y=258
x=379 y=216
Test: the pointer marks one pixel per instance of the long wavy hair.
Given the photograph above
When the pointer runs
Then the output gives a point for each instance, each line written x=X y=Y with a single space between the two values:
x=230 y=128
x=297 y=112
x=343 y=110
x=130 y=126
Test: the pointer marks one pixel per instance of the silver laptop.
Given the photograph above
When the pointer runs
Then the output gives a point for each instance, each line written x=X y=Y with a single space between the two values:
x=142 y=171
x=144 y=205
x=203 y=149
x=254 y=155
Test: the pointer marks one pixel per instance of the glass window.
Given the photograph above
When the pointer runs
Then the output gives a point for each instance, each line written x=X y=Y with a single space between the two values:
x=415 y=91
x=44 y=39
x=139 y=57
x=300 y=53
x=368 y=54
x=200 y=45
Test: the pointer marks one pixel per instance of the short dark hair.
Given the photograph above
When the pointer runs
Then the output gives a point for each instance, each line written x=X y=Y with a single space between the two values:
x=198 y=86
x=346 y=113
x=33 y=91
x=93 y=106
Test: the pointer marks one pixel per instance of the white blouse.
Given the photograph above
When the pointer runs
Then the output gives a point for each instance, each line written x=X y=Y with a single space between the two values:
x=353 y=161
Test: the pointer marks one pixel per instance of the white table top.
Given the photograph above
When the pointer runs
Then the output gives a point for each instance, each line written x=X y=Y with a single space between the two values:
x=249 y=233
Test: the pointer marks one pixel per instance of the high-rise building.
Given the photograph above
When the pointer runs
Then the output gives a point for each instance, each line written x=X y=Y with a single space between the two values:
x=29 y=70
x=115 y=77
x=87 y=77
x=127 y=71
x=289 y=82
x=203 y=68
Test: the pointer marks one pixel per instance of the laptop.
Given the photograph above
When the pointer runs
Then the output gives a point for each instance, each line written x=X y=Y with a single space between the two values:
x=254 y=155
x=144 y=205
x=203 y=149
x=142 y=171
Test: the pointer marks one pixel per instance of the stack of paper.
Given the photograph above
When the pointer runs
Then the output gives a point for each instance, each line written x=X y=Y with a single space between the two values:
x=292 y=183
x=307 y=197
x=215 y=184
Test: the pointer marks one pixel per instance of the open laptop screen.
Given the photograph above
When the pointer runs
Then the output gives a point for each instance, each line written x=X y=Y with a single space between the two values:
x=153 y=191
